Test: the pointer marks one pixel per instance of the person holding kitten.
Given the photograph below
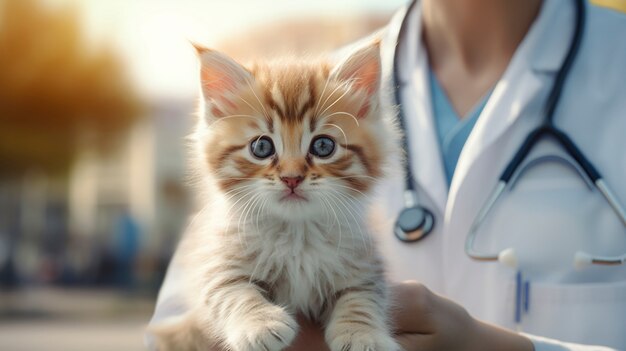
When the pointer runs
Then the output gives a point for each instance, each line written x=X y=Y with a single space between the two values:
x=294 y=248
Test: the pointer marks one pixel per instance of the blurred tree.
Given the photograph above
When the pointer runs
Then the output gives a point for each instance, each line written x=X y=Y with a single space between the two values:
x=54 y=86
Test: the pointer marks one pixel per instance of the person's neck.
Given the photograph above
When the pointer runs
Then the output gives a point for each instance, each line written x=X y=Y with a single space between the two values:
x=471 y=42
x=476 y=32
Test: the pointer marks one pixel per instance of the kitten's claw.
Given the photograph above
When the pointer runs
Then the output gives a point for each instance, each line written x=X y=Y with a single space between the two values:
x=274 y=330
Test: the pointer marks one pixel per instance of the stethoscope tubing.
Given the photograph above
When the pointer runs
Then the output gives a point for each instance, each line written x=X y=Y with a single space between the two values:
x=415 y=229
x=546 y=129
x=401 y=117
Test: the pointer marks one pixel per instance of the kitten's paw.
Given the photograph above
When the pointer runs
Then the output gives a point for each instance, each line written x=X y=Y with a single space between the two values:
x=270 y=330
x=363 y=340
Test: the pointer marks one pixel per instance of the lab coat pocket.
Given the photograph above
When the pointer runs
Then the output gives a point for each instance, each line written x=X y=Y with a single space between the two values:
x=593 y=313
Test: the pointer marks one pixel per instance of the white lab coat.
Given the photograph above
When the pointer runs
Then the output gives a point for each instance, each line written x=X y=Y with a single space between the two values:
x=551 y=214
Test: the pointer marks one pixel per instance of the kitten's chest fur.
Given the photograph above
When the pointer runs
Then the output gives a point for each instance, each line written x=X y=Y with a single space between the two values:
x=303 y=265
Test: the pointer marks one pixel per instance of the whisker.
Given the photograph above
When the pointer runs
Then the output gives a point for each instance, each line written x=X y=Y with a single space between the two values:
x=340 y=202
x=261 y=211
x=259 y=100
x=230 y=216
x=250 y=105
x=221 y=119
x=256 y=206
x=259 y=138
x=336 y=101
x=357 y=206
x=353 y=189
x=235 y=73
x=244 y=214
x=342 y=132
x=238 y=178
x=366 y=243
x=321 y=95
x=342 y=113
x=201 y=214
x=347 y=84
x=336 y=220
x=256 y=266
x=237 y=190
x=334 y=201
x=248 y=211
x=342 y=85
x=351 y=225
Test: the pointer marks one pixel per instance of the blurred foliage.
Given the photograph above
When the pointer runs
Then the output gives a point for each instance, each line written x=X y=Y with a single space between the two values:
x=55 y=86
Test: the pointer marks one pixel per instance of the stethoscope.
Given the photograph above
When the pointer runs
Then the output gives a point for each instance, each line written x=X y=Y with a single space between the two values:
x=415 y=222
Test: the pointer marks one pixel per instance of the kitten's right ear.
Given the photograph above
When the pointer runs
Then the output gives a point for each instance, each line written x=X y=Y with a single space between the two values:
x=222 y=80
x=362 y=69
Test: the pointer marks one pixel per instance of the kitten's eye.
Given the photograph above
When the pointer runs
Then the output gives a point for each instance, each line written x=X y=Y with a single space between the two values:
x=262 y=147
x=322 y=146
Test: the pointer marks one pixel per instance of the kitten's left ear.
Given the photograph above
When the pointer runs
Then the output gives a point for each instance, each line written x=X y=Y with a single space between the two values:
x=222 y=80
x=362 y=70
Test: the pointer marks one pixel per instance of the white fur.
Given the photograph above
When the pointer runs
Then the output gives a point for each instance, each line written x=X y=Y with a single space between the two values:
x=253 y=261
x=305 y=263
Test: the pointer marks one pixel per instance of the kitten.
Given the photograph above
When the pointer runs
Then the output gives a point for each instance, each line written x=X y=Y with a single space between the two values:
x=289 y=152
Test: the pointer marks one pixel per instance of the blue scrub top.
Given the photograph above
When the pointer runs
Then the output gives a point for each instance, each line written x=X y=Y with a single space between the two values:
x=452 y=131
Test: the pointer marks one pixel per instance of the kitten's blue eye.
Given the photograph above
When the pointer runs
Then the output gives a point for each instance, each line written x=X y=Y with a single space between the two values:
x=322 y=146
x=262 y=147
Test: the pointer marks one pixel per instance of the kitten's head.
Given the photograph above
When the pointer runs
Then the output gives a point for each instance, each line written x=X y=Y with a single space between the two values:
x=295 y=138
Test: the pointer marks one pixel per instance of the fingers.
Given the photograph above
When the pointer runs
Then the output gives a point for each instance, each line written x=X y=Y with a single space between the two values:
x=416 y=342
x=309 y=338
x=412 y=308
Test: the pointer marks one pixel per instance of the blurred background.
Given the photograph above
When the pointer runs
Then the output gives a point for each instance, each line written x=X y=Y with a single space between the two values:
x=96 y=97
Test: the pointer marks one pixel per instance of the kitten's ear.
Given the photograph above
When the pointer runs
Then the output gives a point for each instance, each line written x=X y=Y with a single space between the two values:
x=362 y=70
x=222 y=80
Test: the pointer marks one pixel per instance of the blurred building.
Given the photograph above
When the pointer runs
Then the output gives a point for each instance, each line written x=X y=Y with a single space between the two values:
x=93 y=171
x=142 y=183
x=93 y=177
x=129 y=200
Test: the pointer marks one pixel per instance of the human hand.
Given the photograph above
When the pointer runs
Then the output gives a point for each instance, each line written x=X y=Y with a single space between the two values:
x=310 y=337
x=425 y=321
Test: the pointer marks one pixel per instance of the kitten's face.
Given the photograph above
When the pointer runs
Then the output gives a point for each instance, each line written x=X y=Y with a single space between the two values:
x=295 y=140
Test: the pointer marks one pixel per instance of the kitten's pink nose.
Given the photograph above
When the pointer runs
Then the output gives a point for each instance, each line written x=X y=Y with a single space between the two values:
x=292 y=182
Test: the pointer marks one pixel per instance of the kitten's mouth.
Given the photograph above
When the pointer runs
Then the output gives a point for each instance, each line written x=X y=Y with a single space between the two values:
x=293 y=196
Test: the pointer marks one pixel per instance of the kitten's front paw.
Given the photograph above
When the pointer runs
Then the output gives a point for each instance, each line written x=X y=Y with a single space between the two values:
x=272 y=329
x=363 y=340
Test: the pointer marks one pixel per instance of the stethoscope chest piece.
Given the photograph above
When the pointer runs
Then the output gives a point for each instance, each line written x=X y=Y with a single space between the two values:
x=416 y=222
x=413 y=224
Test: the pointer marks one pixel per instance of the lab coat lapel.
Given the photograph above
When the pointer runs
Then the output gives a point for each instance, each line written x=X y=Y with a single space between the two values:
x=504 y=107
x=541 y=52
x=513 y=109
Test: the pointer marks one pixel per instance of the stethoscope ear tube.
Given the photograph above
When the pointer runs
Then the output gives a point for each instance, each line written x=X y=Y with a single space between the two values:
x=549 y=129
x=416 y=222
x=562 y=138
